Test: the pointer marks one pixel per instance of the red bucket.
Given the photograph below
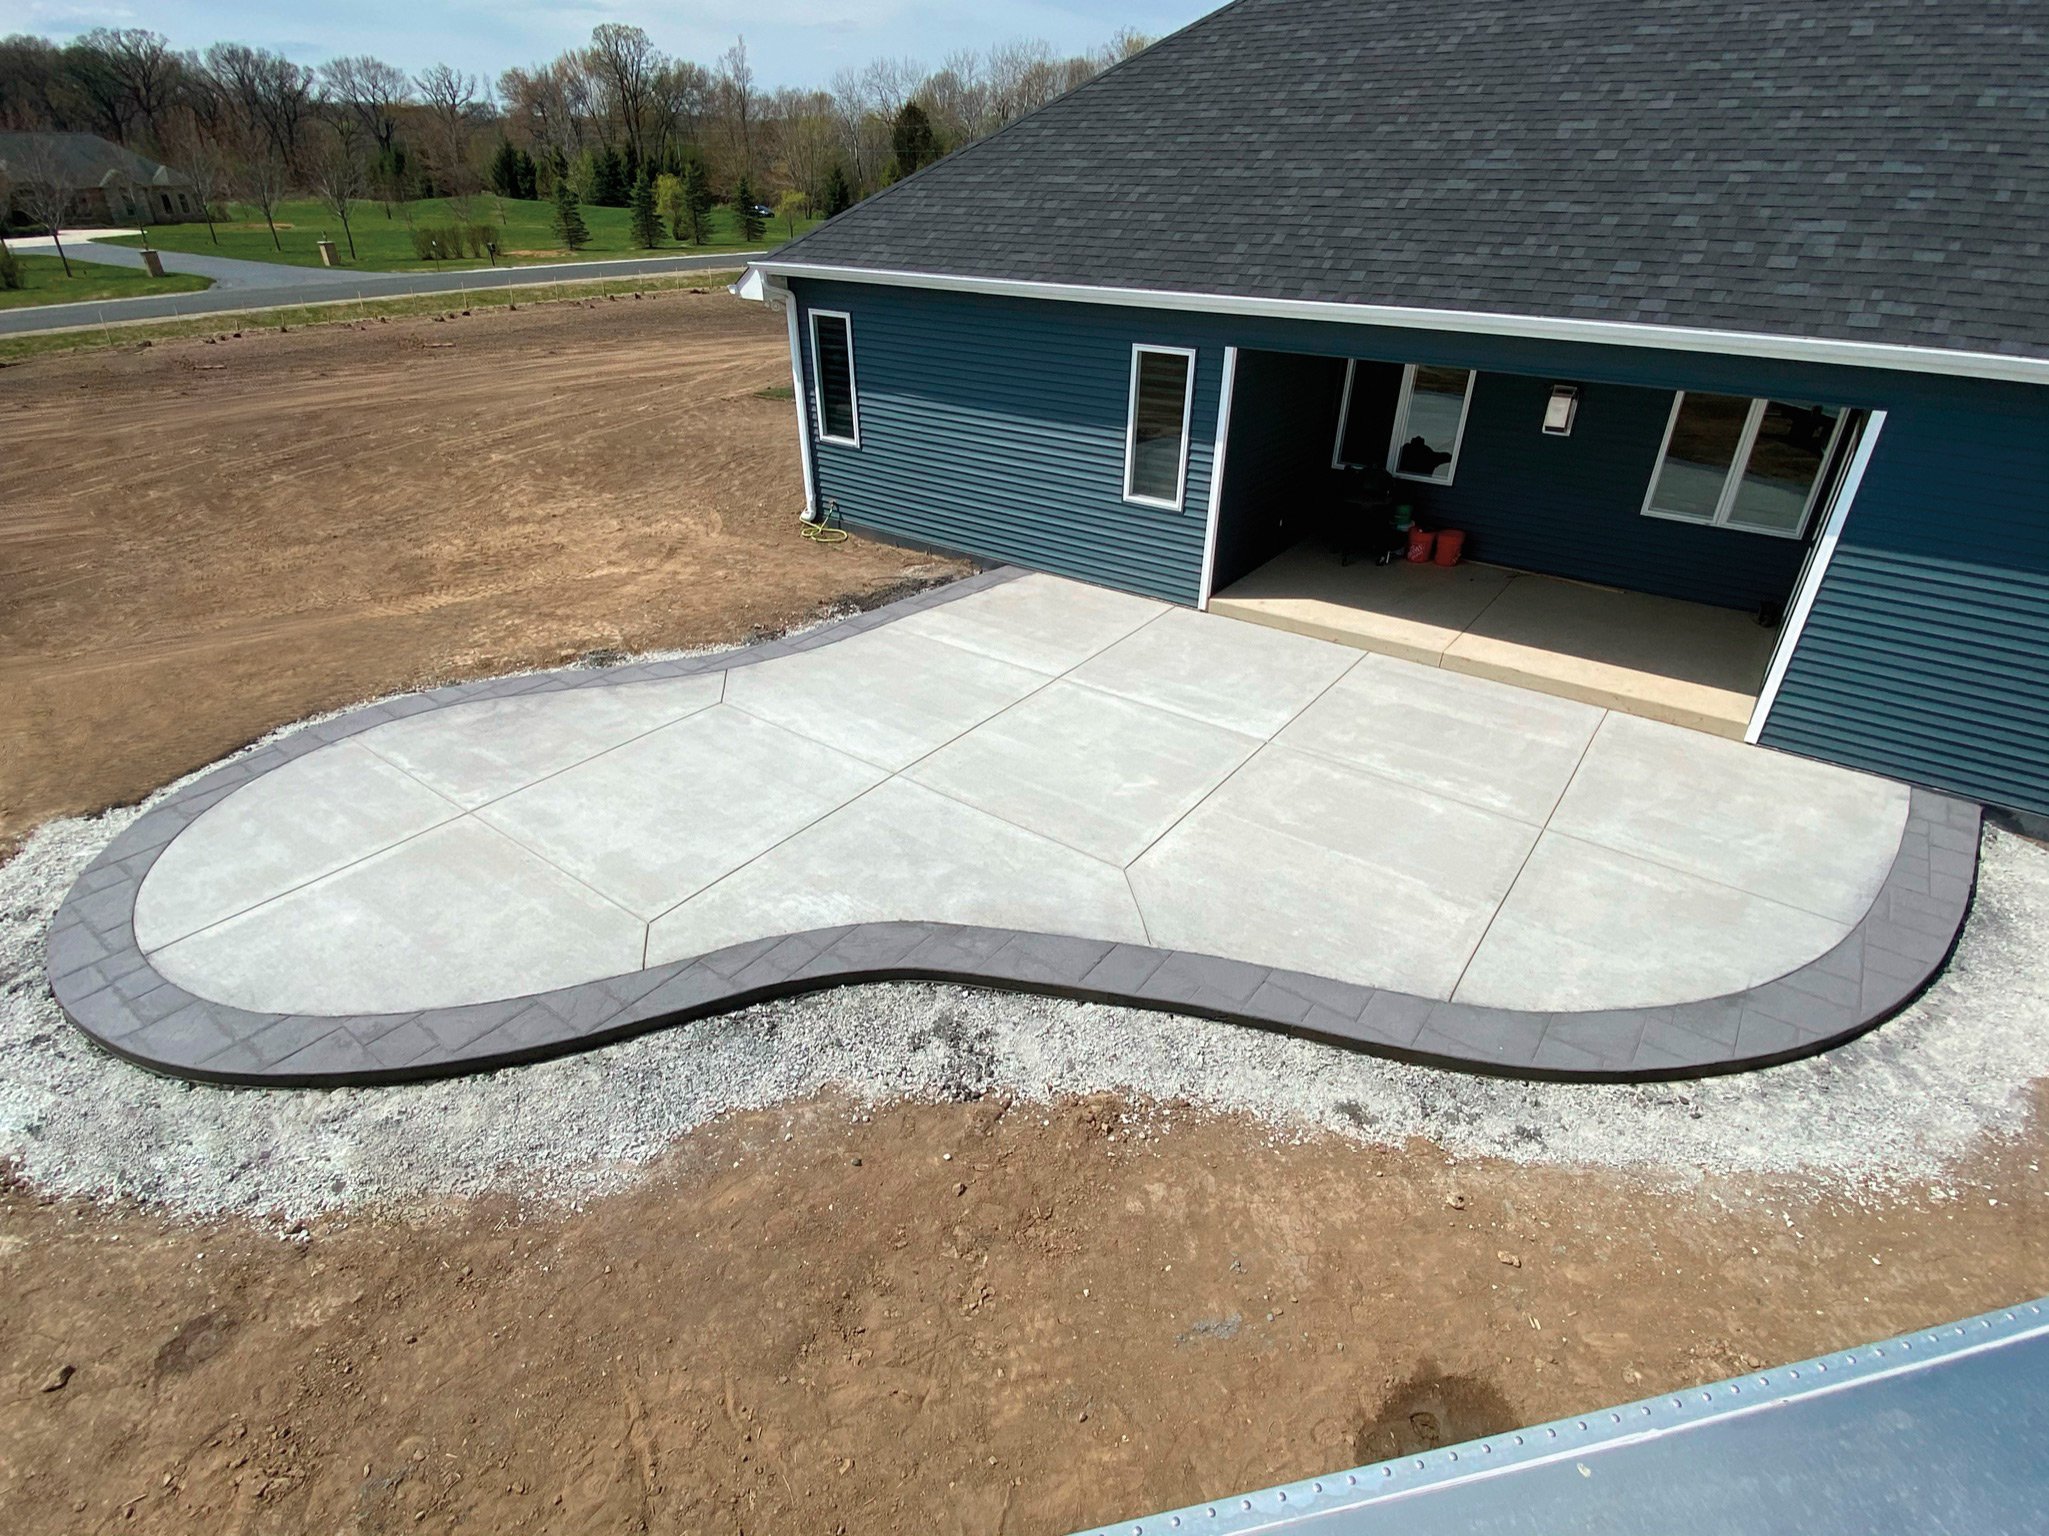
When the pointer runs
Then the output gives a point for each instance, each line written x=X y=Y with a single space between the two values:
x=1450 y=544
x=1420 y=543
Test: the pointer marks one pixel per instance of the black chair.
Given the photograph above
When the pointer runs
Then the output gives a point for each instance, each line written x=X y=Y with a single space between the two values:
x=1362 y=517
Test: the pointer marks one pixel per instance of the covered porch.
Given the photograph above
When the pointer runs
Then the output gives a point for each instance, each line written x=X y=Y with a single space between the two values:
x=1662 y=658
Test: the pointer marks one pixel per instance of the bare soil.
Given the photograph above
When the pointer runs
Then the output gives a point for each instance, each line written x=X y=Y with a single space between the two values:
x=956 y=1317
x=962 y=1317
x=201 y=541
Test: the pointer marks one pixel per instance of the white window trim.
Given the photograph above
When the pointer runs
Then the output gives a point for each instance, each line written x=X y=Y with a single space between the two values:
x=818 y=379
x=1818 y=559
x=1732 y=478
x=1337 y=446
x=1225 y=395
x=1401 y=422
x=1138 y=349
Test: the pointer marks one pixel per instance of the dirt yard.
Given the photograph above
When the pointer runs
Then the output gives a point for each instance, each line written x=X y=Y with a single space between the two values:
x=963 y=1316
x=200 y=542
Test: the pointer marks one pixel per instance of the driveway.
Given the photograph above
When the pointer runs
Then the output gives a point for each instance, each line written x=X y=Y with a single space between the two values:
x=240 y=285
x=1022 y=781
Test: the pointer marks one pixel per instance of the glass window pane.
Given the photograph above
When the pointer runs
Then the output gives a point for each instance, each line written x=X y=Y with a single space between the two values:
x=1697 y=460
x=1429 y=432
x=835 y=378
x=1788 y=457
x=1155 y=469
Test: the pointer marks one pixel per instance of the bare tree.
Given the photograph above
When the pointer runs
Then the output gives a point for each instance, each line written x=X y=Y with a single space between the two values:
x=261 y=172
x=270 y=93
x=43 y=189
x=372 y=90
x=627 y=66
x=339 y=173
x=450 y=98
x=737 y=102
x=683 y=94
x=197 y=150
x=147 y=70
x=810 y=142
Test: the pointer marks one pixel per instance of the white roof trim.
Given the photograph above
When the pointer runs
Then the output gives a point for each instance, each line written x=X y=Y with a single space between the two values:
x=1614 y=333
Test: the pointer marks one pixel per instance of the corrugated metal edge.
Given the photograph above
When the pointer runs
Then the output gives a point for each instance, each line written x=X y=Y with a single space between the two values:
x=1290 y=1504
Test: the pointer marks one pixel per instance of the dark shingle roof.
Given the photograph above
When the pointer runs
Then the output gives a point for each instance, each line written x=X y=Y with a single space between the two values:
x=1871 y=170
x=86 y=159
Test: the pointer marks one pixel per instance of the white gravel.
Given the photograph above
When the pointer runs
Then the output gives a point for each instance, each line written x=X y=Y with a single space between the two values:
x=1903 y=1106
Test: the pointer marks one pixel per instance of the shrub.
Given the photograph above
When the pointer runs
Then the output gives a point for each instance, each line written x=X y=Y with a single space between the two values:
x=425 y=245
x=479 y=238
x=10 y=269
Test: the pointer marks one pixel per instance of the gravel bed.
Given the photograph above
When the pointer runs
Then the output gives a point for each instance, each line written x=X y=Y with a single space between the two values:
x=1902 y=1106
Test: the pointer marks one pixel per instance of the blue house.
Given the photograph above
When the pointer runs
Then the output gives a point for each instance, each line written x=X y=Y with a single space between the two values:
x=1718 y=332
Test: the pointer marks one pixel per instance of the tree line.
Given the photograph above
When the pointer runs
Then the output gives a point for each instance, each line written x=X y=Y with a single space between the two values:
x=616 y=123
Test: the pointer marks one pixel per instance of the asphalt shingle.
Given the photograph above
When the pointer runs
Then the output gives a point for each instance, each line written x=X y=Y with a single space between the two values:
x=1873 y=170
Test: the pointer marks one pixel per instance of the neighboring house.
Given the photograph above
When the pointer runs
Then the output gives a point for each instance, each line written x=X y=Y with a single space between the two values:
x=109 y=184
x=1792 y=262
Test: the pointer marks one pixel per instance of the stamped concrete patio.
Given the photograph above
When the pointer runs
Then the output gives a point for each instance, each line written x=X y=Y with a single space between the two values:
x=1025 y=781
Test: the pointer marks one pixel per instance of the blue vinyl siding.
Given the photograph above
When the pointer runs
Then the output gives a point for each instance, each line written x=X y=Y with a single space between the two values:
x=1926 y=656
x=1573 y=506
x=998 y=430
x=996 y=427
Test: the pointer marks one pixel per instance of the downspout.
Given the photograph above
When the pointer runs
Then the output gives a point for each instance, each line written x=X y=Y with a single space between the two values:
x=775 y=293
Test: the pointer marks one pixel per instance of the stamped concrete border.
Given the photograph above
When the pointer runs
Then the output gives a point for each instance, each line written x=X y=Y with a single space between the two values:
x=110 y=990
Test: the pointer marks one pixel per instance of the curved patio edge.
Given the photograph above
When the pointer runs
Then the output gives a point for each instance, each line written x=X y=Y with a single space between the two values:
x=111 y=992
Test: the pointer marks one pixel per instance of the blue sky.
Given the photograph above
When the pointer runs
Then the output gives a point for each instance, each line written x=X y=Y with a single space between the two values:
x=792 y=42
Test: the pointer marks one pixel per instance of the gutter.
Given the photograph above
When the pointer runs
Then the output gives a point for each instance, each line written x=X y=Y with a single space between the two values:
x=762 y=278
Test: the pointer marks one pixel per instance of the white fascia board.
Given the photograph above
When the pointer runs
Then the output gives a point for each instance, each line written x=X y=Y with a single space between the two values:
x=1613 y=333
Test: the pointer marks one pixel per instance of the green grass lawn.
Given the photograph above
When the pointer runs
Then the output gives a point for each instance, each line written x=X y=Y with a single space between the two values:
x=44 y=282
x=386 y=245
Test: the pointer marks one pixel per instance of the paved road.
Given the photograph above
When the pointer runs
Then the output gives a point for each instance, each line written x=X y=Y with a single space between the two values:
x=257 y=285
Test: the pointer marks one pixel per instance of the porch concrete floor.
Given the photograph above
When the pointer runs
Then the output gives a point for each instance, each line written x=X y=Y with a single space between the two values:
x=1036 y=755
x=1683 y=663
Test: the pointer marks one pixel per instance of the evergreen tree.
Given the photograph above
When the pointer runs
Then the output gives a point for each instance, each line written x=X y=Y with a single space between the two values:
x=529 y=177
x=647 y=227
x=910 y=136
x=693 y=220
x=608 y=180
x=839 y=197
x=744 y=209
x=505 y=170
x=569 y=225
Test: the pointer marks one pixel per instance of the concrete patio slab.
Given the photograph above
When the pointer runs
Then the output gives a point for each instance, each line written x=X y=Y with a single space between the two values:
x=477 y=753
x=886 y=697
x=1502 y=748
x=404 y=931
x=1685 y=663
x=618 y=824
x=1588 y=927
x=1781 y=827
x=305 y=820
x=1389 y=873
x=1410 y=611
x=1040 y=622
x=902 y=852
x=1303 y=863
x=1240 y=677
x=1099 y=773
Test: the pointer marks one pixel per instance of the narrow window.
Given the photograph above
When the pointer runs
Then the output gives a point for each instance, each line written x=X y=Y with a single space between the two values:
x=832 y=362
x=1732 y=462
x=1429 y=422
x=1156 y=434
